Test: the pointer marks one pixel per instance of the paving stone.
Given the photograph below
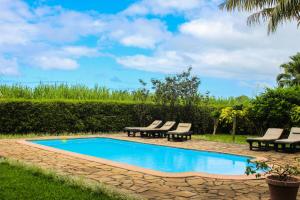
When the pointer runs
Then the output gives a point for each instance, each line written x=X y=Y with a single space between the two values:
x=197 y=181
x=150 y=186
x=185 y=193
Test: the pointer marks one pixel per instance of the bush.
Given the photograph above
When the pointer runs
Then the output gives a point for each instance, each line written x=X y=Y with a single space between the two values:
x=273 y=108
x=51 y=116
x=295 y=116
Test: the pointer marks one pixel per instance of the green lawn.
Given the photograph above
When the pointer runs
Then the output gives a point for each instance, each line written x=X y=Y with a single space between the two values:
x=22 y=183
x=239 y=139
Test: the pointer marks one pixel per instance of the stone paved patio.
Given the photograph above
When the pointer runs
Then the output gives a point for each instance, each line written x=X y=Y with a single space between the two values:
x=150 y=186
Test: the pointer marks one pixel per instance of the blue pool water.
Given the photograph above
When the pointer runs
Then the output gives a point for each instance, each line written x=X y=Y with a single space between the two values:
x=155 y=157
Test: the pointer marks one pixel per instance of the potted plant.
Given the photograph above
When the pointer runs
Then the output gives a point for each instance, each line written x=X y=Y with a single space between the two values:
x=283 y=185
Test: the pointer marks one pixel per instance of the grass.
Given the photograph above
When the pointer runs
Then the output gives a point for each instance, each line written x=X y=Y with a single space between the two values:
x=30 y=135
x=227 y=138
x=23 y=182
x=96 y=93
x=64 y=91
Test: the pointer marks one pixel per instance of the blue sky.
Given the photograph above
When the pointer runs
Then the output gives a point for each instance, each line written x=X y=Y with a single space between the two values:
x=115 y=43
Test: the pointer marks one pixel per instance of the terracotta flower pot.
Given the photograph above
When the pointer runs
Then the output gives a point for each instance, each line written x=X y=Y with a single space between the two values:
x=283 y=190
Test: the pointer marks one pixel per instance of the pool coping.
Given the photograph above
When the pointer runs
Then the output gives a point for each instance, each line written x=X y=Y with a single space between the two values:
x=136 y=168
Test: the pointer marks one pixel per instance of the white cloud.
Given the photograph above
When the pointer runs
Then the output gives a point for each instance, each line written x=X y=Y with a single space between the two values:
x=215 y=43
x=8 y=66
x=34 y=36
x=212 y=29
x=138 y=32
x=48 y=62
x=165 y=62
x=221 y=45
x=61 y=58
x=78 y=51
x=67 y=26
x=159 y=7
x=43 y=36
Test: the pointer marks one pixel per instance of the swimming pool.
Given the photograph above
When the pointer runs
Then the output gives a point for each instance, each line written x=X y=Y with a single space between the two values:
x=153 y=157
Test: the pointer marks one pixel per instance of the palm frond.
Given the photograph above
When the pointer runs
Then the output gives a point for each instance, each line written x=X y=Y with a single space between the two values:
x=257 y=17
x=273 y=11
x=247 y=5
x=291 y=74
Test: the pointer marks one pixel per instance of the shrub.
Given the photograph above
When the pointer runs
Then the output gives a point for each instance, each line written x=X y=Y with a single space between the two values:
x=295 y=116
x=53 y=116
x=273 y=108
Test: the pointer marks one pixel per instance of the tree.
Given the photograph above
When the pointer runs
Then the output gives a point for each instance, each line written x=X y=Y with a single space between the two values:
x=291 y=74
x=180 y=89
x=230 y=115
x=216 y=117
x=274 y=12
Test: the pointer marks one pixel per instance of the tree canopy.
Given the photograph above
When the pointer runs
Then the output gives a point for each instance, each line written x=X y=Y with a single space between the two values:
x=291 y=72
x=274 y=12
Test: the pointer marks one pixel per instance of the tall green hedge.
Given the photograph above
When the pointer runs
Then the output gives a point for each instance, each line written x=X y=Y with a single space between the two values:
x=25 y=116
x=275 y=108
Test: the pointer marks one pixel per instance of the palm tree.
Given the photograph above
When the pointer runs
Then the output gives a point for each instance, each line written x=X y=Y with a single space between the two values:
x=291 y=74
x=273 y=11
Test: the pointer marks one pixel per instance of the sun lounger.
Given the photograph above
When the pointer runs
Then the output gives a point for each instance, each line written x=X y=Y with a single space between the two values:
x=182 y=132
x=270 y=136
x=293 y=140
x=131 y=131
x=158 y=132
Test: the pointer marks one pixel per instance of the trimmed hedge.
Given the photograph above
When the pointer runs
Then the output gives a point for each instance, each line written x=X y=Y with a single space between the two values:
x=60 y=116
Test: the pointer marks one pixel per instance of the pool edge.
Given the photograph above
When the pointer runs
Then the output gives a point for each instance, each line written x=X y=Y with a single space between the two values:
x=136 y=168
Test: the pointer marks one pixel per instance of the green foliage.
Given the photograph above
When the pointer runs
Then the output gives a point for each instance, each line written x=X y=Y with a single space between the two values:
x=231 y=115
x=291 y=74
x=283 y=171
x=63 y=108
x=295 y=115
x=53 y=116
x=62 y=91
x=275 y=12
x=216 y=113
x=142 y=94
x=181 y=88
x=227 y=114
x=221 y=137
x=24 y=182
x=229 y=101
x=97 y=93
x=273 y=108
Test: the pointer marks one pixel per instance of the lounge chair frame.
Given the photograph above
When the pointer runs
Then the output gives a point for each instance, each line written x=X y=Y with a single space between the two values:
x=265 y=142
x=180 y=136
x=158 y=132
x=131 y=131
x=293 y=141
x=292 y=147
x=182 y=132
x=261 y=145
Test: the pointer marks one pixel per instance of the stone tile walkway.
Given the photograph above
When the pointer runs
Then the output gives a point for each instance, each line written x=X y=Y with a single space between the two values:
x=150 y=186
